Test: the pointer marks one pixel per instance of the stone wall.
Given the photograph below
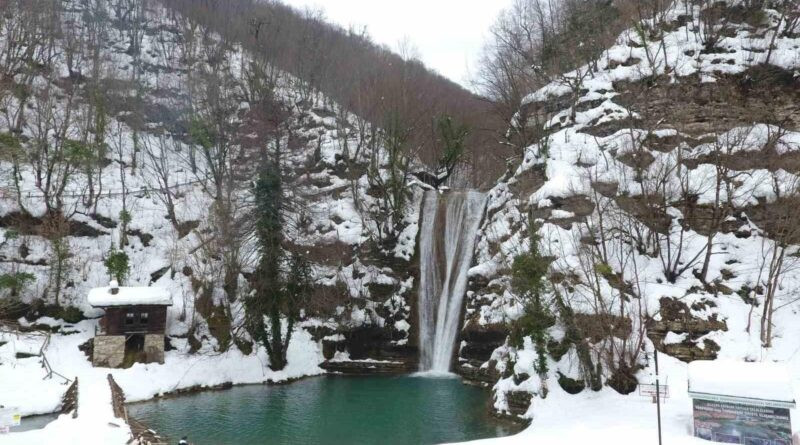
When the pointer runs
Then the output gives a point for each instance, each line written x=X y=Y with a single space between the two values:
x=154 y=348
x=109 y=351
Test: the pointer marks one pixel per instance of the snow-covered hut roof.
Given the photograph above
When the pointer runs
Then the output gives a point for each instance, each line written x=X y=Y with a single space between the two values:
x=764 y=381
x=128 y=296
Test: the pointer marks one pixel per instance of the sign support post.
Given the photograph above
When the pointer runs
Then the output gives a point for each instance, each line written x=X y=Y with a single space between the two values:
x=658 y=395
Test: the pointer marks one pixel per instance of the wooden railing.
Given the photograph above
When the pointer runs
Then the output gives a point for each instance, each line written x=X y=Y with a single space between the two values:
x=69 y=403
x=17 y=329
x=140 y=433
x=49 y=371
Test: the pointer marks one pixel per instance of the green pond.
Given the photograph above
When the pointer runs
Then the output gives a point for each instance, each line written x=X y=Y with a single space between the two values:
x=328 y=410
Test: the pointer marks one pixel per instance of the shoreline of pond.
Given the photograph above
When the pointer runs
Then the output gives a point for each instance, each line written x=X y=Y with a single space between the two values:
x=512 y=423
x=490 y=420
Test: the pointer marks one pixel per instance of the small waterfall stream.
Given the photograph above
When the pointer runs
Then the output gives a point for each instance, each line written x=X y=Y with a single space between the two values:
x=448 y=230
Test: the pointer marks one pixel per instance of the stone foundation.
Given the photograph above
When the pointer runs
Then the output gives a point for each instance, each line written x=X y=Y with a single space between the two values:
x=109 y=351
x=154 y=348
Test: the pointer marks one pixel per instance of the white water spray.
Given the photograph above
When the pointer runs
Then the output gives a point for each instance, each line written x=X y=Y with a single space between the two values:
x=448 y=230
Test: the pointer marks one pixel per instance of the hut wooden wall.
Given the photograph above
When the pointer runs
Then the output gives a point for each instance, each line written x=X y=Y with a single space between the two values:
x=114 y=320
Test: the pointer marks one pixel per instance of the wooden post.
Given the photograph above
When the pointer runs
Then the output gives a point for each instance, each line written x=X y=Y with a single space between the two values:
x=658 y=395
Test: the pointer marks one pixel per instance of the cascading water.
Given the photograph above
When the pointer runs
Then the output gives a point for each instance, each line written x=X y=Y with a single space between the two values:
x=447 y=238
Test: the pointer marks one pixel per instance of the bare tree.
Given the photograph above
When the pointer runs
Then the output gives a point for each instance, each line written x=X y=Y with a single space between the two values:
x=159 y=151
x=778 y=255
x=726 y=187
x=54 y=153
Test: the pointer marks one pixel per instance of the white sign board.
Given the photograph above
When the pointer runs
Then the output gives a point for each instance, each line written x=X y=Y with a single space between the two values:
x=9 y=417
x=650 y=390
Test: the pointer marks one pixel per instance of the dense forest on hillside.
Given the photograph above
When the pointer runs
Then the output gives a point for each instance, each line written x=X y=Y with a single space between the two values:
x=376 y=83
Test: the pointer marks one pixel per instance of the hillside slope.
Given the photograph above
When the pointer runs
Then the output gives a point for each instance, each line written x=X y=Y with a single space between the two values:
x=128 y=128
x=663 y=193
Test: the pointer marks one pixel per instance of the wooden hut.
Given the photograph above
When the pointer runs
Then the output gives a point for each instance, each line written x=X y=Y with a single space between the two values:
x=133 y=326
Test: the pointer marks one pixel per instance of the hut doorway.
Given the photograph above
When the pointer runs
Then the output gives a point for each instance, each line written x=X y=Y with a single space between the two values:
x=134 y=349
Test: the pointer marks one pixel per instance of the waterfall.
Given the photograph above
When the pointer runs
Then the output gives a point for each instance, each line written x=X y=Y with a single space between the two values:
x=448 y=230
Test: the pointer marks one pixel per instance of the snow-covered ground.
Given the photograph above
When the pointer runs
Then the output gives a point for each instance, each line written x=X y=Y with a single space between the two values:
x=606 y=417
x=22 y=383
x=95 y=423
x=561 y=418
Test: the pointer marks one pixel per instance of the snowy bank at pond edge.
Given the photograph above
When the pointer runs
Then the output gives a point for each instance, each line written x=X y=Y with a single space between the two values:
x=606 y=417
x=602 y=417
x=23 y=385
